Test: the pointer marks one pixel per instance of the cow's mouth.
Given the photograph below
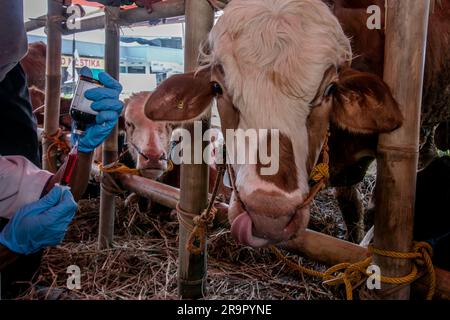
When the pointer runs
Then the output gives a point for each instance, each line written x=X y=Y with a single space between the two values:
x=242 y=231
x=246 y=228
x=152 y=173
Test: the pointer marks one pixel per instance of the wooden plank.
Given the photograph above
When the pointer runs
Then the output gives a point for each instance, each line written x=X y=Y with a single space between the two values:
x=406 y=35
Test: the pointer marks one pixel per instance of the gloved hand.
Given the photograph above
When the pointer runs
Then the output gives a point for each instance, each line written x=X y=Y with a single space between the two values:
x=106 y=102
x=40 y=224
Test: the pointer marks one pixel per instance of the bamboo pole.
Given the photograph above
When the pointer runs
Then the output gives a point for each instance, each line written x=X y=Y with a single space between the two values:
x=52 y=81
x=194 y=178
x=406 y=35
x=110 y=146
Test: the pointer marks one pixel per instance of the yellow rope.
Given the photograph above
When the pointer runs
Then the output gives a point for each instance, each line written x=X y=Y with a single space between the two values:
x=196 y=243
x=197 y=239
x=350 y=274
x=170 y=166
x=58 y=142
x=422 y=253
x=118 y=168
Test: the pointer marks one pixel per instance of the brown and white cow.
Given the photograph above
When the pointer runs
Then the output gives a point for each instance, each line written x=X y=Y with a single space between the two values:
x=348 y=168
x=270 y=65
x=148 y=140
x=34 y=64
x=149 y=144
x=37 y=98
x=368 y=47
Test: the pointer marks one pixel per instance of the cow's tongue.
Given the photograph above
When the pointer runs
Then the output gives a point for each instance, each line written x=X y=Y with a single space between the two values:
x=241 y=229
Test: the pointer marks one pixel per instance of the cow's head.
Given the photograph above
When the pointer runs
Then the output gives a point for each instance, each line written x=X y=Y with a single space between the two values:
x=148 y=141
x=37 y=99
x=278 y=64
x=34 y=64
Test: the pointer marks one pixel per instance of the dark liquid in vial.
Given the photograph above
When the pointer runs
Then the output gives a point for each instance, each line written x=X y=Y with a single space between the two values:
x=81 y=117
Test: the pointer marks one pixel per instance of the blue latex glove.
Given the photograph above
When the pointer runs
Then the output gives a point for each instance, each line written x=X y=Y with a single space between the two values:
x=106 y=102
x=40 y=224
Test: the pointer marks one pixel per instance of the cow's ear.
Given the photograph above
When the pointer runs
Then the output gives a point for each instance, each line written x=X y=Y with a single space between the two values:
x=182 y=97
x=363 y=103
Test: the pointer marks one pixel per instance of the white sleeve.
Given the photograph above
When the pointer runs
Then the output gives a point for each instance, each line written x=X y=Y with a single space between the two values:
x=21 y=183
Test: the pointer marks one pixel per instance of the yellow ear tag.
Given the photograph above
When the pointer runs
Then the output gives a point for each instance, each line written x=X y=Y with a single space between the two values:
x=180 y=105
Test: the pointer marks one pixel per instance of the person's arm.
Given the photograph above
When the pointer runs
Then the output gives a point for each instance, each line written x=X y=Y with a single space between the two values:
x=7 y=257
x=106 y=102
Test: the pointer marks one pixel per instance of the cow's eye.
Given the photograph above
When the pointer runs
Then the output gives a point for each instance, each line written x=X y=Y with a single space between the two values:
x=332 y=87
x=216 y=88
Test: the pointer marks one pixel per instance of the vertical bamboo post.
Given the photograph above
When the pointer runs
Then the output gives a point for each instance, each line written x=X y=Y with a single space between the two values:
x=53 y=80
x=110 y=146
x=194 y=177
x=406 y=35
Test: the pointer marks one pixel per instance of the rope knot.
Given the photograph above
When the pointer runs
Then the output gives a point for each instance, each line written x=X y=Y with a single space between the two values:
x=196 y=243
x=108 y=181
x=352 y=274
x=319 y=172
x=58 y=144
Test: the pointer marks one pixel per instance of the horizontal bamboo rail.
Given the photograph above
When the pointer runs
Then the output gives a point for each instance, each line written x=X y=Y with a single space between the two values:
x=36 y=23
x=313 y=245
x=161 y=10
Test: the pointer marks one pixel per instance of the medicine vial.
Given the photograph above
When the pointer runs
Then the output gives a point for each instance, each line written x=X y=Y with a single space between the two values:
x=80 y=110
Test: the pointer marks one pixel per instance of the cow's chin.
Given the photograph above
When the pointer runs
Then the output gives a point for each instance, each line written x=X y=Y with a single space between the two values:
x=151 y=173
x=243 y=227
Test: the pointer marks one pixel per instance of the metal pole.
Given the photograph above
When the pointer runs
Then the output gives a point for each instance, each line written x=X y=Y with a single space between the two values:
x=406 y=38
x=194 y=177
x=53 y=80
x=110 y=146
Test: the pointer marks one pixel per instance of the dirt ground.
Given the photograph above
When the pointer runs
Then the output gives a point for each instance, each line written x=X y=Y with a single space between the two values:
x=143 y=261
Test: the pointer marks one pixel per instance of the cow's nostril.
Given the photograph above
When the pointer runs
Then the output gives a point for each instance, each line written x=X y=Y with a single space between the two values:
x=163 y=157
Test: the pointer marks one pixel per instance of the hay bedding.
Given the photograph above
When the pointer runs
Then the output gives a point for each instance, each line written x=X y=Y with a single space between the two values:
x=143 y=262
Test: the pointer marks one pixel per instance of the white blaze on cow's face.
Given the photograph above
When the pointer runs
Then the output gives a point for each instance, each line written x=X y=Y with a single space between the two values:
x=270 y=58
x=270 y=64
x=148 y=141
